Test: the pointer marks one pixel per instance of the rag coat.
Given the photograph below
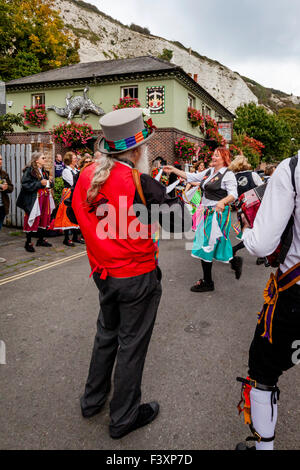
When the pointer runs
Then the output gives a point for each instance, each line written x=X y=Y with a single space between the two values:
x=30 y=186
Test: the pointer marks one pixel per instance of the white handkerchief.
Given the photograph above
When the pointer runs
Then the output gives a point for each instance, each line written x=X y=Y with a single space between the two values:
x=190 y=193
x=35 y=212
x=214 y=234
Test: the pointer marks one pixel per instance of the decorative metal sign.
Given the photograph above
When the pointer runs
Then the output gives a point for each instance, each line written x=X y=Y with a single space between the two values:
x=81 y=105
x=156 y=99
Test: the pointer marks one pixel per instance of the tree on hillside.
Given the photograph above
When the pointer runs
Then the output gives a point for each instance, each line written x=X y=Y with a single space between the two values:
x=33 y=39
x=292 y=117
x=270 y=129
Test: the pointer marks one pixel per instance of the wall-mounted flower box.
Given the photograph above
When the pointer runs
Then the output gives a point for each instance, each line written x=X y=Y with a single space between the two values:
x=35 y=116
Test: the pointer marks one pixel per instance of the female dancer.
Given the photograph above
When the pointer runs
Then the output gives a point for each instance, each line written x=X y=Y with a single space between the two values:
x=246 y=180
x=36 y=200
x=219 y=189
x=62 y=221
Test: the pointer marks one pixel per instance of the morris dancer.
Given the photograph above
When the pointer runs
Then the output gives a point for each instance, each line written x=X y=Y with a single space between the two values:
x=246 y=180
x=273 y=349
x=62 y=221
x=36 y=200
x=124 y=266
x=212 y=236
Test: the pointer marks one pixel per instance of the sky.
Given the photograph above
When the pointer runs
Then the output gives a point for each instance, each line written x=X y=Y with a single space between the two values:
x=260 y=39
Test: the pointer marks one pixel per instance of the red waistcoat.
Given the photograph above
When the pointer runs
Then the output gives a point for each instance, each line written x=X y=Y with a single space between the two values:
x=122 y=253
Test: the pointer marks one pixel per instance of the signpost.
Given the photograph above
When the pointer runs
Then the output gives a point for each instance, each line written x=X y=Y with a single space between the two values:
x=226 y=130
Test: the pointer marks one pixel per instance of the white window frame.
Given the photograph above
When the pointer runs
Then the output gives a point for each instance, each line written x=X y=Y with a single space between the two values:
x=191 y=101
x=34 y=100
x=133 y=87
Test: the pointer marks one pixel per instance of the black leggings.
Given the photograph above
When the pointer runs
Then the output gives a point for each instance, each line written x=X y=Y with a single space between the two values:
x=40 y=234
x=73 y=231
x=207 y=267
x=237 y=247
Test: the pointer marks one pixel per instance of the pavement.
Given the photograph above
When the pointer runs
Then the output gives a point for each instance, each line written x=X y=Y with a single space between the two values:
x=200 y=344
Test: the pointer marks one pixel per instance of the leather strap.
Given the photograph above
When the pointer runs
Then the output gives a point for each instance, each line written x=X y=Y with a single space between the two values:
x=257 y=437
x=137 y=182
x=253 y=383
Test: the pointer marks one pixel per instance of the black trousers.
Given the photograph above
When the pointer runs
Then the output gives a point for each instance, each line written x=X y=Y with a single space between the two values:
x=267 y=361
x=128 y=310
x=2 y=216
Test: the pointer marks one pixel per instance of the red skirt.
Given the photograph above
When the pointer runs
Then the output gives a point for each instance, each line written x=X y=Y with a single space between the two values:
x=62 y=221
x=40 y=216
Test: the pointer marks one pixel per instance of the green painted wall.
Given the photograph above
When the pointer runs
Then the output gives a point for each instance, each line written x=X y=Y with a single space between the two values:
x=106 y=95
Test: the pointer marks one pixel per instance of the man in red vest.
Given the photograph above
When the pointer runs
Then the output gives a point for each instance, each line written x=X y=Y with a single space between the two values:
x=112 y=203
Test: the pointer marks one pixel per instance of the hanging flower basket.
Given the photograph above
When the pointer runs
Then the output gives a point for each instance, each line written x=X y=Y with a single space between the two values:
x=127 y=102
x=73 y=134
x=185 y=149
x=35 y=116
x=195 y=117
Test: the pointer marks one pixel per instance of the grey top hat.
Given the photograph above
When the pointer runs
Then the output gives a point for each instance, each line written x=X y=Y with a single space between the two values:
x=124 y=129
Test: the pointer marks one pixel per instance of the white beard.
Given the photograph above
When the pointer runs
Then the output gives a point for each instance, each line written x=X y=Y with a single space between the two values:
x=142 y=164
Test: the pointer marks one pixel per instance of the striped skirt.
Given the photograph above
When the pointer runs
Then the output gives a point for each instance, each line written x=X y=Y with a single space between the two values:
x=212 y=236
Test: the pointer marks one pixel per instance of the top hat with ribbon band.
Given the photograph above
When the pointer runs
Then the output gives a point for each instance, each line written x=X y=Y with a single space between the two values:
x=123 y=130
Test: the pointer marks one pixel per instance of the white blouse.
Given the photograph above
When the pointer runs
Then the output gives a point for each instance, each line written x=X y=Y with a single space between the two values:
x=68 y=175
x=228 y=183
x=278 y=204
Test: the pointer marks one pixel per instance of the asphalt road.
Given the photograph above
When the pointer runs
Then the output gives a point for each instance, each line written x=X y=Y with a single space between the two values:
x=199 y=345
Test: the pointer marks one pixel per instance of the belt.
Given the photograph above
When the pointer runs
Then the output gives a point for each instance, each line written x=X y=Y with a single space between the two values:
x=277 y=283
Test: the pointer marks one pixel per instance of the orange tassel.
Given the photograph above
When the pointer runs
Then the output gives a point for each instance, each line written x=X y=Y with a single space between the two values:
x=246 y=389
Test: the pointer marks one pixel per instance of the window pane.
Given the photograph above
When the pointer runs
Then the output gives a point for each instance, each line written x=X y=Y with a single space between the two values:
x=38 y=99
x=131 y=92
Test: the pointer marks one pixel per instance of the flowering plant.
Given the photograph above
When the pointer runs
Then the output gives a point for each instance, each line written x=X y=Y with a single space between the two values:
x=36 y=115
x=250 y=147
x=185 y=149
x=72 y=134
x=80 y=152
x=195 y=117
x=127 y=102
x=210 y=123
x=204 y=153
x=213 y=134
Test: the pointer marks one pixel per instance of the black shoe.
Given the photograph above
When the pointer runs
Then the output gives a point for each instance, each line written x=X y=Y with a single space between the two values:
x=260 y=261
x=76 y=240
x=243 y=446
x=237 y=266
x=203 y=286
x=146 y=414
x=29 y=247
x=68 y=243
x=43 y=243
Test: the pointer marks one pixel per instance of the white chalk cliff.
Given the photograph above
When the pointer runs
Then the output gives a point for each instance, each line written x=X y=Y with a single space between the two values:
x=103 y=38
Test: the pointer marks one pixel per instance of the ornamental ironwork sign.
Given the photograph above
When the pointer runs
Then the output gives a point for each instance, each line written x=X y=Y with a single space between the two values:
x=156 y=99
x=81 y=105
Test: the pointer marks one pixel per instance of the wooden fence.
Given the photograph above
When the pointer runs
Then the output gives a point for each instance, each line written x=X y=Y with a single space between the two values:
x=15 y=157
